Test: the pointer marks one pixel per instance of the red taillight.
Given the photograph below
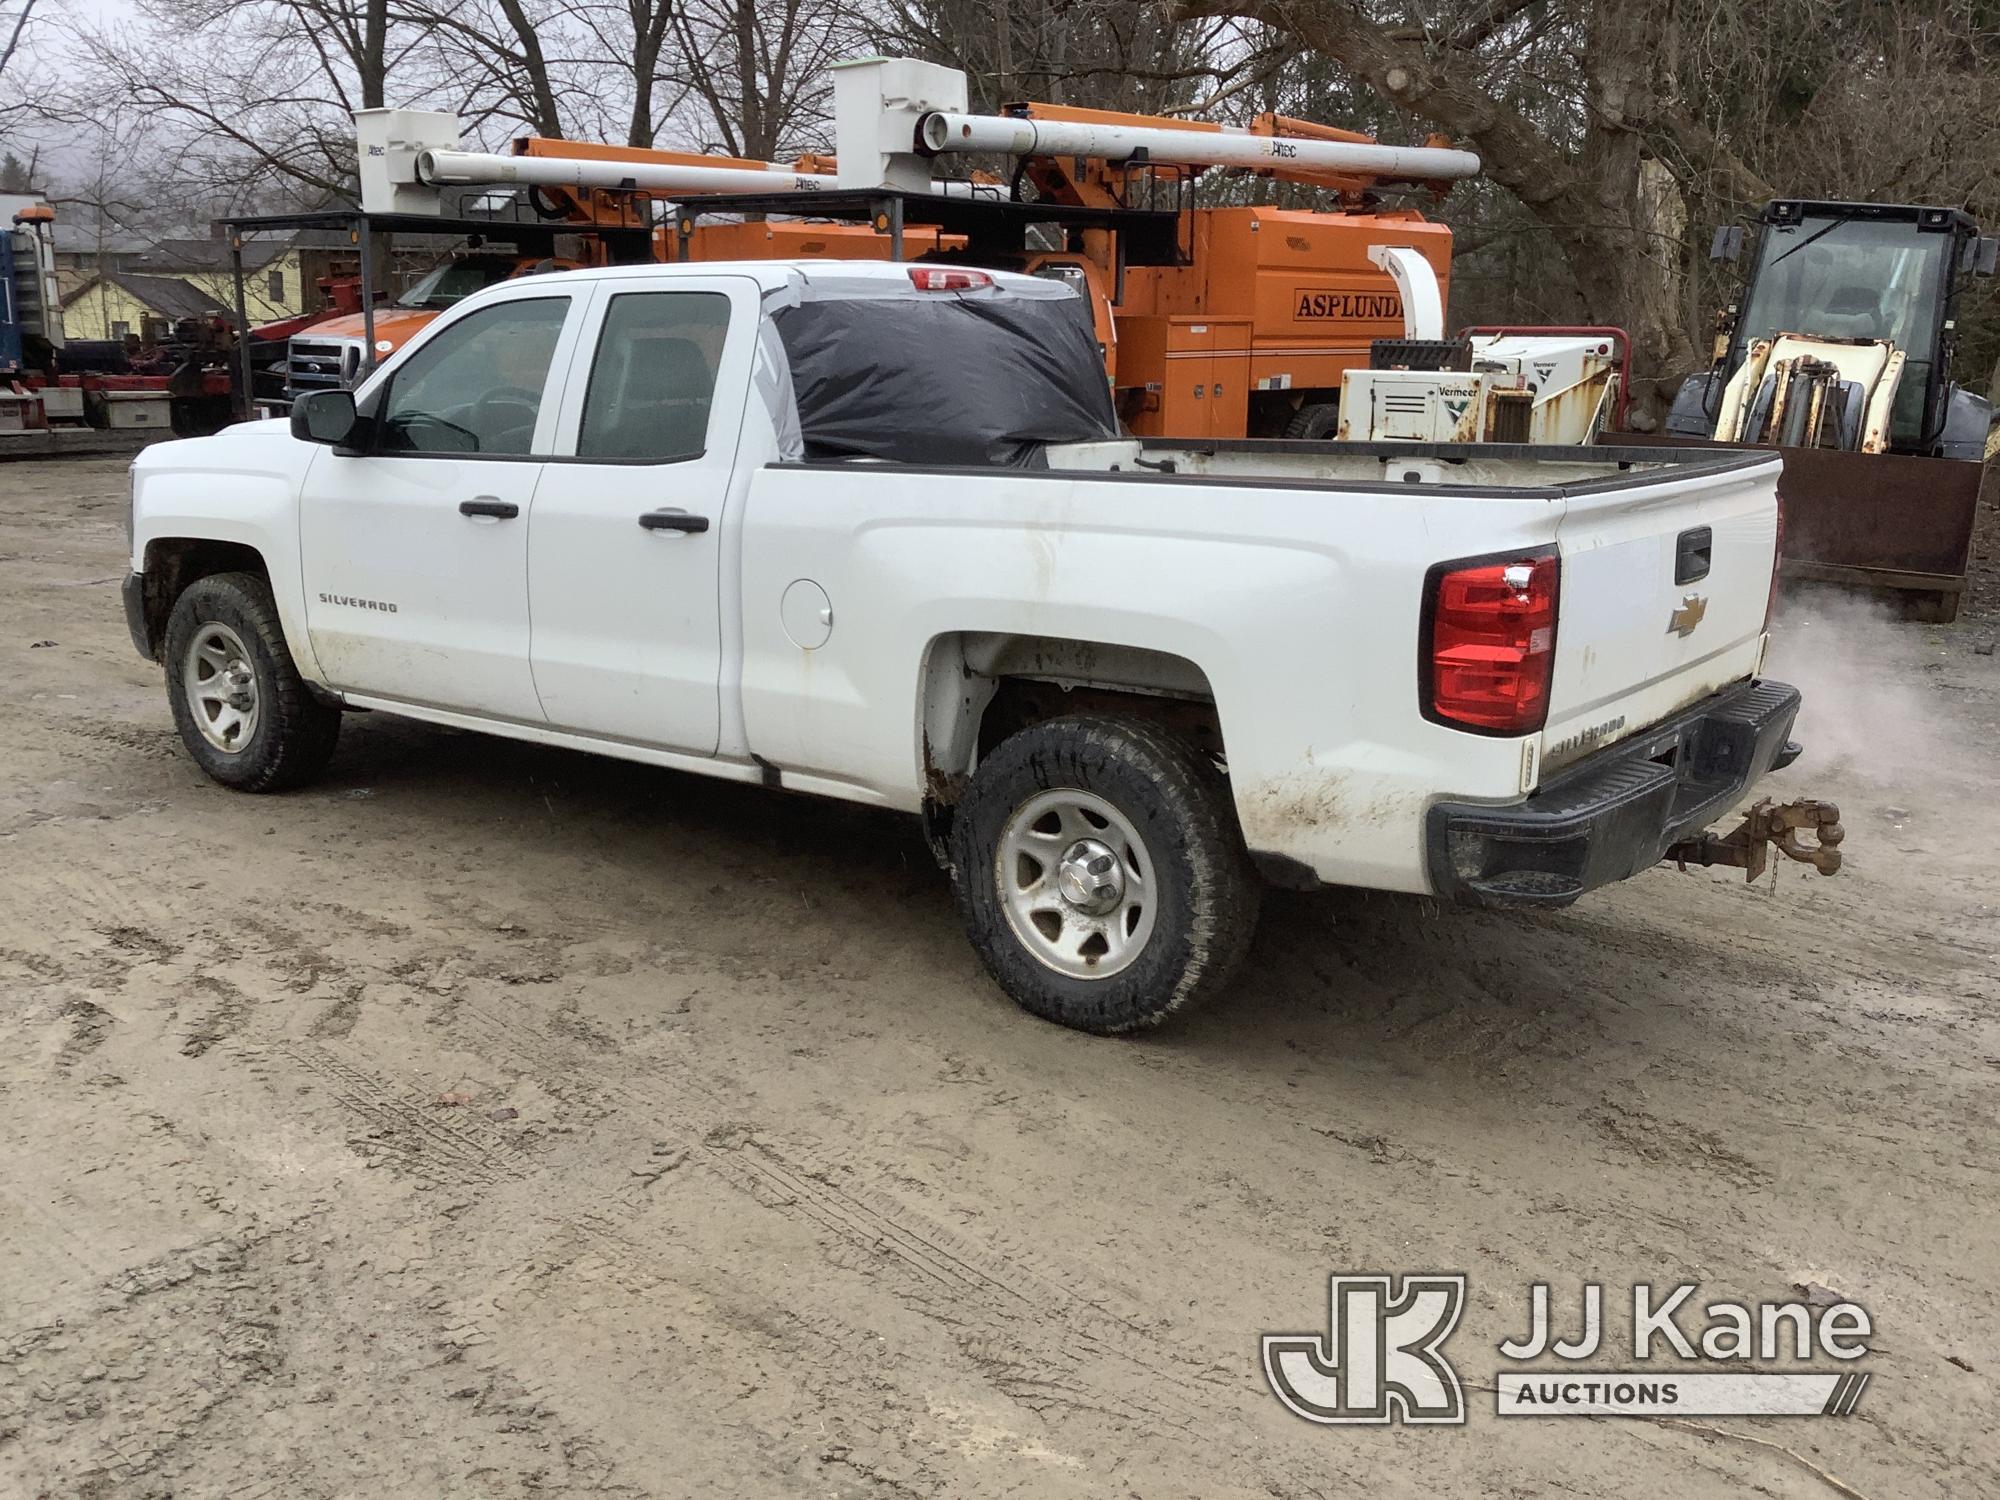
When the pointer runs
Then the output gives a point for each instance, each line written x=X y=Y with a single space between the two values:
x=1490 y=643
x=947 y=279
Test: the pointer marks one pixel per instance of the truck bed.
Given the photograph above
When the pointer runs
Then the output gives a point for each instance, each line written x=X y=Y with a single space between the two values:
x=1290 y=578
x=1454 y=467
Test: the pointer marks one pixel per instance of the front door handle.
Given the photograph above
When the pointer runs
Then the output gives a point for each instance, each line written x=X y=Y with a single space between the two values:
x=673 y=520
x=486 y=505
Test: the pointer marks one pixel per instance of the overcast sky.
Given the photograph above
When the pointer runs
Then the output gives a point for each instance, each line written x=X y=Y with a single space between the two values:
x=95 y=10
x=60 y=147
x=61 y=12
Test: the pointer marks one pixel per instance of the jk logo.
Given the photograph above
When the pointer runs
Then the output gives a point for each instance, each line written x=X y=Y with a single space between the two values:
x=1382 y=1359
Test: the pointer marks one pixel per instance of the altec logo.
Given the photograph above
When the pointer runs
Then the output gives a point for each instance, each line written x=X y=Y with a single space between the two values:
x=1382 y=1359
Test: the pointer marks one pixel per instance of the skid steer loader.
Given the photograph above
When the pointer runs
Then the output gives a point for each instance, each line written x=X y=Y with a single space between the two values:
x=1839 y=353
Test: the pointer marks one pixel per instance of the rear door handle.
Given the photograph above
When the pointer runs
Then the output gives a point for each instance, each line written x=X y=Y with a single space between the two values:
x=673 y=520
x=486 y=505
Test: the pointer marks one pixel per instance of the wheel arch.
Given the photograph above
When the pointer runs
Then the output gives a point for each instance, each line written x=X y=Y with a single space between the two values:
x=281 y=731
x=977 y=687
x=172 y=563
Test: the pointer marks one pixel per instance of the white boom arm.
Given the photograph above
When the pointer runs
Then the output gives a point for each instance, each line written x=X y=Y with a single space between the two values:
x=485 y=168
x=893 y=116
x=1228 y=146
x=670 y=179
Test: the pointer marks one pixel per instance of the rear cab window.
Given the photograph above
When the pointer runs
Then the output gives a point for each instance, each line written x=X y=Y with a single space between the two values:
x=982 y=378
x=651 y=385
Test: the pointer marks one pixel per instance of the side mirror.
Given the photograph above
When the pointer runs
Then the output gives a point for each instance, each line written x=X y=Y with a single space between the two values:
x=1985 y=255
x=1727 y=244
x=324 y=417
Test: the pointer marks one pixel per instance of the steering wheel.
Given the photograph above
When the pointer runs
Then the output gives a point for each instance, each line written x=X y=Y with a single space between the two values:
x=530 y=402
x=409 y=428
x=508 y=410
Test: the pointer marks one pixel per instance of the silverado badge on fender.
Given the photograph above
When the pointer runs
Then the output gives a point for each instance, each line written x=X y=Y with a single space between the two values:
x=1683 y=620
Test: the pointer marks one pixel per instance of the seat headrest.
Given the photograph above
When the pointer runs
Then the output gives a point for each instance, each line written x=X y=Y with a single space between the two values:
x=667 y=369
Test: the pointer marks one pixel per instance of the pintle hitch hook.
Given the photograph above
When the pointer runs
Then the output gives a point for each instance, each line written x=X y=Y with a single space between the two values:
x=1770 y=825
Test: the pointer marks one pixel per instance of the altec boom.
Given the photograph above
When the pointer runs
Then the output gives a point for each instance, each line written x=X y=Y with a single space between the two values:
x=1192 y=144
x=1215 y=322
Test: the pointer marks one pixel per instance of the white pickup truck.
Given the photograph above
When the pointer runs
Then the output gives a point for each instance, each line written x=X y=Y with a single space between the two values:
x=870 y=531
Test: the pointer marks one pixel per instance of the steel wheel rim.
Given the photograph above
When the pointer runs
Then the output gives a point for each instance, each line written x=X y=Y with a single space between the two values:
x=1077 y=883
x=221 y=687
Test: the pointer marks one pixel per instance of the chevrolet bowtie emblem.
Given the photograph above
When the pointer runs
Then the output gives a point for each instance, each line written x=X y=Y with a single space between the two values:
x=1683 y=620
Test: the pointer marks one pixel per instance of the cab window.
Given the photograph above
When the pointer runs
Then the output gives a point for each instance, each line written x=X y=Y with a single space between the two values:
x=476 y=387
x=653 y=378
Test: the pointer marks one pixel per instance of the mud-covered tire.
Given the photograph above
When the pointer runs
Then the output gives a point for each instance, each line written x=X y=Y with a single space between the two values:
x=1188 y=857
x=292 y=734
x=1316 y=420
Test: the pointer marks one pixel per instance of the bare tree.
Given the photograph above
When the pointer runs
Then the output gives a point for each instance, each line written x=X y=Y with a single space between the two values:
x=757 y=70
x=1103 y=54
x=498 y=58
x=1613 y=134
x=14 y=22
x=278 y=117
x=21 y=83
x=632 y=35
x=1575 y=168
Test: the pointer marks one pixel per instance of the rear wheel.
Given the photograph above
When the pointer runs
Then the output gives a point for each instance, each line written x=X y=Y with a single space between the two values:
x=1316 y=420
x=242 y=709
x=1100 y=873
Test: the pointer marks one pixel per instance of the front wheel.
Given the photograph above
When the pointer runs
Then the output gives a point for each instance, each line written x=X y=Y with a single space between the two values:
x=242 y=709
x=1100 y=873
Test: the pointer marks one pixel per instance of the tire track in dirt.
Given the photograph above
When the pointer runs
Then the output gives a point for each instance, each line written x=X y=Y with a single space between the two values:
x=89 y=1025
x=402 y=1128
x=1050 y=1344
x=221 y=1020
x=125 y=908
x=206 y=1386
x=120 y=738
x=1041 y=1338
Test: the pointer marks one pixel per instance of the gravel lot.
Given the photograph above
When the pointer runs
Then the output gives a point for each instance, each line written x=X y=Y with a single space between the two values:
x=491 y=1120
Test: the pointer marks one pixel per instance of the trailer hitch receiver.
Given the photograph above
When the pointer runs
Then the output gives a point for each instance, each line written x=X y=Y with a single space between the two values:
x=1770 y=825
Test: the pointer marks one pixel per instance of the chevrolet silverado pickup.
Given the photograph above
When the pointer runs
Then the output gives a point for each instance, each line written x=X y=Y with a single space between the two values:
x=872 y=532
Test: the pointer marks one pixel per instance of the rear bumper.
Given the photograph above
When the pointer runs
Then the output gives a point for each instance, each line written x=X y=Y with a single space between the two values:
x=1616 y=812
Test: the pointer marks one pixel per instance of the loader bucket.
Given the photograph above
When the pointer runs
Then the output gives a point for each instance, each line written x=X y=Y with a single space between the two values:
x=1877 y=521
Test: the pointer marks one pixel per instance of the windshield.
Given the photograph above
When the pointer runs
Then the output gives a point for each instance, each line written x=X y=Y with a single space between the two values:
x=1830 y=277
x=456 y=280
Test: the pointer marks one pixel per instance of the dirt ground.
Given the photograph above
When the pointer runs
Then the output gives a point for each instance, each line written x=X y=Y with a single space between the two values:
x=491 y=1120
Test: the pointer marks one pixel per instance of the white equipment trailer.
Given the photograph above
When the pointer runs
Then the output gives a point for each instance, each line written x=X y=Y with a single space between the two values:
x=1554 y=386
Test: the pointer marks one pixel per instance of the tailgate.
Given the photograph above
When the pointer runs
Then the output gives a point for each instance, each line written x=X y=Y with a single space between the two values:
x=1633 y=644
